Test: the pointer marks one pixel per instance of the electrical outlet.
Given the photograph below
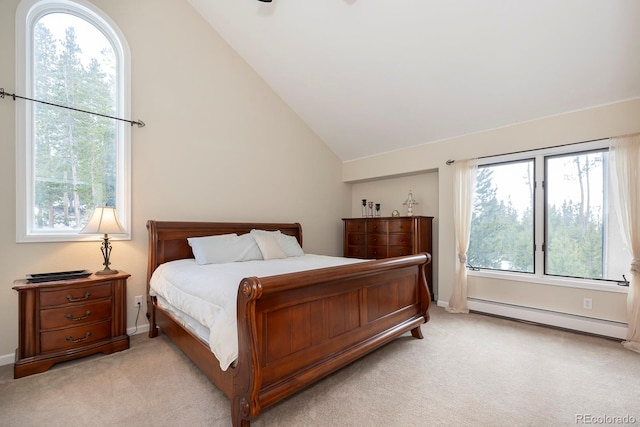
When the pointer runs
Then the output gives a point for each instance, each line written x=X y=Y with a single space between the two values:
x=587 y=303
x=139 y=300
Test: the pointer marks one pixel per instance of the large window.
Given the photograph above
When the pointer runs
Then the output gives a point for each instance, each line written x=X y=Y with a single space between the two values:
x=548 y=213
x=502 y=231
x=69 y=161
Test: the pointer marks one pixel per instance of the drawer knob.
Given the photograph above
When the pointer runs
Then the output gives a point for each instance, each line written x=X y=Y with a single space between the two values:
x=85 y=297
x=87 y=335
x=87 y=314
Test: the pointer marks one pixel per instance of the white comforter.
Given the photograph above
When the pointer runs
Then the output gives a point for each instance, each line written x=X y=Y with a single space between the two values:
x=208 y=293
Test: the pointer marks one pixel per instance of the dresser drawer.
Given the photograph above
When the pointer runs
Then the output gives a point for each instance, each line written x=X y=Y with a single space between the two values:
x=356 y=252
x=376 y=240
x=75 y=294
x=355 y=239
x=401 y=226
x=355 y=226
x=75 y=315
x=399 y=251
x=74 y=337
x=376 y=252
x=401 y=239
x=377 y=227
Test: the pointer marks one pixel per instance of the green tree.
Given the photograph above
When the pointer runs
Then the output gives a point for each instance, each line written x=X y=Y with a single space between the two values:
x=486 y=240
x=575 y=229
x=501 y=237
x=75 y=151
x=47 y=135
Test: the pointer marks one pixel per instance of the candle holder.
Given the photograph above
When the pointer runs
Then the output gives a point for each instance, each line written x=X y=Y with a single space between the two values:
x=370 y=209
x=378 y=209
x=364 y=208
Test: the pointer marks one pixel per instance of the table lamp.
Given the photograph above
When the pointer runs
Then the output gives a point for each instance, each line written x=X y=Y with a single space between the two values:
x=104 y=221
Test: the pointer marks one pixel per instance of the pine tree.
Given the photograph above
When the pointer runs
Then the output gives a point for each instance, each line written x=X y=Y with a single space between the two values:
x=75 y=151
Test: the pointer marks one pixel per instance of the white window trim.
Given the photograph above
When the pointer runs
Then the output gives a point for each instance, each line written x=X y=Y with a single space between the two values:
x=27 y=14
x=539 y=277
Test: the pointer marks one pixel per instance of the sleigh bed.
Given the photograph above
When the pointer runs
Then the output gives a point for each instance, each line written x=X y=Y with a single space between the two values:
x=296 y=328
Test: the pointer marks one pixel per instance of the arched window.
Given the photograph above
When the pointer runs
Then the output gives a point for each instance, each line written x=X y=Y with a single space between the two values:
x=70 y=53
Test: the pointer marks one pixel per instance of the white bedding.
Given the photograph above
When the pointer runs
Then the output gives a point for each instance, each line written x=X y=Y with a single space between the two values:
x=207 y=293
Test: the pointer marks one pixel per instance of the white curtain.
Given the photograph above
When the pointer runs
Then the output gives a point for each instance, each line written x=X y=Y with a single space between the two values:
x=625 y=174
x=464 y=186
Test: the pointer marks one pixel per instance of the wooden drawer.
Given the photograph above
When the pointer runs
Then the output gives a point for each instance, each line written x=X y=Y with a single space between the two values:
x=75 y=294
x=376 y=252
x=356 y=252
x=355 y=239
x=376 y=240
x=400 y=226
x=355 y=226
x=377 y=227
x=399 y=251
x=75 y=315
x=401 y=239
x=74 y=337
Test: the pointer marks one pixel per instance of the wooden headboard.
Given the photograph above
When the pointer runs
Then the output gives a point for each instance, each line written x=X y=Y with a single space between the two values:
x=168 y=239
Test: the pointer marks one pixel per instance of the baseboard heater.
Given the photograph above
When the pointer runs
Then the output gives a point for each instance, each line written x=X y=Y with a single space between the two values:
x=572 y=322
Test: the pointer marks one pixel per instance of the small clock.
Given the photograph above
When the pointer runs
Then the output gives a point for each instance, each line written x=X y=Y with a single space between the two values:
x=395 y=213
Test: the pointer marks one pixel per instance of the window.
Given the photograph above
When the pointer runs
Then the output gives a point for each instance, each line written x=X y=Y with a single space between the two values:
x=548 y=213
x=70 y=53
x=502 y=219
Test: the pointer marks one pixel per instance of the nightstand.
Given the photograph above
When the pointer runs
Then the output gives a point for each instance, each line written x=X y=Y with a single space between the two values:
x=67 y=319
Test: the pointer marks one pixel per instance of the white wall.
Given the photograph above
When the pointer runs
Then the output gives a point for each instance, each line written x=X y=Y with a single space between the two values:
x=595 y=123
x=219 y=145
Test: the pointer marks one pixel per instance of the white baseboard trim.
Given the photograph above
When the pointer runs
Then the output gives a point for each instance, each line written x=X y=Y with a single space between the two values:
x=9 y=359
x=142 y=329
x=551 y=318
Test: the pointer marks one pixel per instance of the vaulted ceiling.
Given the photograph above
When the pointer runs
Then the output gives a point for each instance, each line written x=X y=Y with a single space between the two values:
x=372 y=76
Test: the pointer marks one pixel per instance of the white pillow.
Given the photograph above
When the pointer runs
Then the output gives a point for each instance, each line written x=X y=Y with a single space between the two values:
x=269 y=246
x=224 y=248
x=211 y=249
x=288 y=244
x=244 y=248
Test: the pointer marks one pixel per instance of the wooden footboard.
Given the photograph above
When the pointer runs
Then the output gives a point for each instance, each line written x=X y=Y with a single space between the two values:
x=295 y=329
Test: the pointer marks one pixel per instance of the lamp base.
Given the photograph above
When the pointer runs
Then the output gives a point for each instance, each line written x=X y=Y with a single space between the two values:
x=106 y=271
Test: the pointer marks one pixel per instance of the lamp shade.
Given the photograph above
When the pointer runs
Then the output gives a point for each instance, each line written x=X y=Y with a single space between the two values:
x=103 y=221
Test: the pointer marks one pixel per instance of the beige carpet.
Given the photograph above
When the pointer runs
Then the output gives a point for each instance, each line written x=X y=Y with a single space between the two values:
x=470 y=370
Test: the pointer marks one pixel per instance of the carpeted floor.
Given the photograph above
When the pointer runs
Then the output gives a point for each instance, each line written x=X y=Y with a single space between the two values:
x=470 y=370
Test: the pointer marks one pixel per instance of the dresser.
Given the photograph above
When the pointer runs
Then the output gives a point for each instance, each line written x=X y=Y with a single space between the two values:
x=67 y=319
x=386 y=237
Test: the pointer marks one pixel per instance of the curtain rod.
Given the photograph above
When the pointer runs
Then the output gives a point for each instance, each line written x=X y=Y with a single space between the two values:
x=140 y=123
x=450 y=162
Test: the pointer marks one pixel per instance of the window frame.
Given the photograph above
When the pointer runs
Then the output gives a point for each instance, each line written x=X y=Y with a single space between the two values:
x=506 y=161
x=28 y=13
x=539 y=276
